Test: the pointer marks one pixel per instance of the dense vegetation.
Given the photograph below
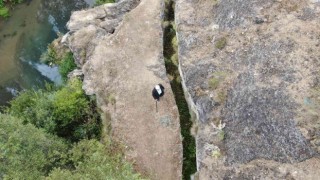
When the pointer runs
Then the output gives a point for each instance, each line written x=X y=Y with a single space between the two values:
x=4 y=4
x=27 y=152
x=94 y=160
x=54 y=133
x=170 y=50
x=65 y=111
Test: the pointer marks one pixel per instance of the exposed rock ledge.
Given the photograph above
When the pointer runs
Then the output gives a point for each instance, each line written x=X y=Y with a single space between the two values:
x=119 y=47
x=253 y=66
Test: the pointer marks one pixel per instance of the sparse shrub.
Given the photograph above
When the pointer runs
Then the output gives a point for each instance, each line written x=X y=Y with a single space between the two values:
x=221 y=96
x=221 y=43
x=178 y=79
x=174 y=42
x=174 y=59
x=165 y=24
x=215 y=2
x=216 y=78
x=4 y=12
x=66 y=65
x=170 y=77
x=100 y=2
x=213 y=83
x=65 y=61
x=221 y=135
x=216 y=153
x=111 y=99
x=50 y=56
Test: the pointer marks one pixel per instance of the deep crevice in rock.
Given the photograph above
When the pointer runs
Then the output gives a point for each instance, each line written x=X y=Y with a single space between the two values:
x=170 y=51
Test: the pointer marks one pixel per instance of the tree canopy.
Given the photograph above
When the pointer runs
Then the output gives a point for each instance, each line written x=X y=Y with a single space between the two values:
x=66 y=111
x=94 y=160
x=27 y=152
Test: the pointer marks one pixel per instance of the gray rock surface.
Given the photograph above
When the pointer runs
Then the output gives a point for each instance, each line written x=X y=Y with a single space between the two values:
x=119 y=48
x=256 y=97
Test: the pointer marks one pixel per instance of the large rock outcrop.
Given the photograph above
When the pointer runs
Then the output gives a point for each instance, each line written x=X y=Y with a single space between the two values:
x=251 y=73
x=119 y=47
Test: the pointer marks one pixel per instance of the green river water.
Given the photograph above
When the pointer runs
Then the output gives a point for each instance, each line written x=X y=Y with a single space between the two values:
x=24 y=37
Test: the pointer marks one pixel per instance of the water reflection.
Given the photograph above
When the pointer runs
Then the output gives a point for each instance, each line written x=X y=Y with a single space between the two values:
x=24 y=37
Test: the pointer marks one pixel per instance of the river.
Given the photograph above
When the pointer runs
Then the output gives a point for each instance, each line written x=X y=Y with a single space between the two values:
x=24 y=37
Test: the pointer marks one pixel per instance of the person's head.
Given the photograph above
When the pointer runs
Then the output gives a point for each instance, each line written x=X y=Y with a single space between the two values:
x=158 y=89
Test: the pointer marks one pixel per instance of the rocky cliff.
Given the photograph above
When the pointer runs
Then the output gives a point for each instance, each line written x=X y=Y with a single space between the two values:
x=251 y=72
x=119 y=49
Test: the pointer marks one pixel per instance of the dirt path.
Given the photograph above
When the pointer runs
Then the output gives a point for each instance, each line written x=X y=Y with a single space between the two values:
x=122 y=70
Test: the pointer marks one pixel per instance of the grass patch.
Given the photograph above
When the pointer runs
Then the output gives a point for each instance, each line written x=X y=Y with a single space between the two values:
x=4 y=12
x=215 y=2
x=214 y=83
x=216 y=153
x=216 y=79
x=221 y=96
x=100 y=2
x=221 y=135
x=111 y=99
x=221 y=43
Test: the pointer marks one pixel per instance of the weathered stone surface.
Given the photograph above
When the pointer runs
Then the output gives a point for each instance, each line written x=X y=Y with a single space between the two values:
x=80 y=19
x=100 y=14
x=121 y=59
x=263 y=85
x=83 y=41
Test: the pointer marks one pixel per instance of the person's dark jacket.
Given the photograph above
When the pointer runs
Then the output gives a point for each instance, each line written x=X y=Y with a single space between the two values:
x=155 y=93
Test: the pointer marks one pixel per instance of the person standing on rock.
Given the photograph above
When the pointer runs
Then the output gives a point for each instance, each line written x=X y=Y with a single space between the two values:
x=157 y=92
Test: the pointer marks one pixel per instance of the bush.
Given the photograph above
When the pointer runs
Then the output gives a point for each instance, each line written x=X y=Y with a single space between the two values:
x=94 y=160
x=213 y=83
x=4 y=12
x=34 y=107
x=66 y=66
x=66 y=112
x=216 y=78
x=221 y=43
x=27 y=152
x=100 y=2
x=50 y=56
x=70 y=103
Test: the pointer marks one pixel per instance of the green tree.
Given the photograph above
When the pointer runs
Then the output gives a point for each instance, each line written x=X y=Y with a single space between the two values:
x=94 y=160
x=27 y=152
x=70 y=103
x=34 y=107
x=66 y=112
